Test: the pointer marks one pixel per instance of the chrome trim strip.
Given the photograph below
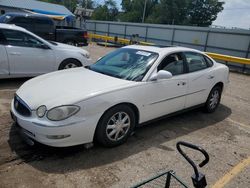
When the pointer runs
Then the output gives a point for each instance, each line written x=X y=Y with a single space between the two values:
x=176 y=97
x=56 y=126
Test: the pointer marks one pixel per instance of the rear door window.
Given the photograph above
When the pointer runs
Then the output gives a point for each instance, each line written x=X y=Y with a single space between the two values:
x=195 y=61
x=18 y=38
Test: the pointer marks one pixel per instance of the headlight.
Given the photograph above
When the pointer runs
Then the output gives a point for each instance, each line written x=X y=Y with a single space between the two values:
x=86 y=55
x=62 y=112
x=40 y=111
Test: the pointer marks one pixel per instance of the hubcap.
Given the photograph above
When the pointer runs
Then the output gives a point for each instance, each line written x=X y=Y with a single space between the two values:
x=118 y=126
x=70 y=65
x=214 y=100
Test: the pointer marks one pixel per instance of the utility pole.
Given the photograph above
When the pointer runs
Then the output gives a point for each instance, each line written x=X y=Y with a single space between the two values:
x=144 y=11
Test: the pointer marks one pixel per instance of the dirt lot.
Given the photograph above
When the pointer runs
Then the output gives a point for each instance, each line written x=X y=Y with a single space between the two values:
x=225 y=134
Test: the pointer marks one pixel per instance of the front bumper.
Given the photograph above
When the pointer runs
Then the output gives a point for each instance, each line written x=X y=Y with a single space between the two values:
x=78 y=132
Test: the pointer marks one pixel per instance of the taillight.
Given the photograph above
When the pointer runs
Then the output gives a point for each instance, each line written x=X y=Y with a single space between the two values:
x=85 y=35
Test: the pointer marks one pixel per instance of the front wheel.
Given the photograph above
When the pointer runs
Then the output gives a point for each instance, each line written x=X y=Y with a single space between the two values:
x=71 y=42
x=69 y=63
x=115 y=126
x=213 y=99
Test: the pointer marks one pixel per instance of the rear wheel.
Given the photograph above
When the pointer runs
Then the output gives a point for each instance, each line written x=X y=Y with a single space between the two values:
x=69 y=63
x=213 y=99
x=71 y=42
x=115 y=126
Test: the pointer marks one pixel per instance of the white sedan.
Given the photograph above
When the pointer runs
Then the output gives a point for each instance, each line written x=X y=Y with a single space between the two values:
x=127 y=87
x=24 y=54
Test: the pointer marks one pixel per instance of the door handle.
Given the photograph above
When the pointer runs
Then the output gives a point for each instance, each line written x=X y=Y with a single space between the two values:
x=210 y=77
x=15 y=53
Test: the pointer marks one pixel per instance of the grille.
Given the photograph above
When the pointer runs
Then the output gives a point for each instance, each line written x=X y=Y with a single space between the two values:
x=21 y=107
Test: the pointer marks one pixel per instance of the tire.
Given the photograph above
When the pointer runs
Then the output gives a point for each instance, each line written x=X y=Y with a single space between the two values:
x=213 y=99
x=69 y=63
x=71 y=42
x=115 y=126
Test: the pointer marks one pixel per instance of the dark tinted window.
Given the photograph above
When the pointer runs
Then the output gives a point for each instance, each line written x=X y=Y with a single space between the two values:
x=43 y=21
x=173 y=63
x=43 y=27
x=195 y=61
x=17 y=38
x=23 y=22
x=2 y=11
x=2 y=38
x=20 y=20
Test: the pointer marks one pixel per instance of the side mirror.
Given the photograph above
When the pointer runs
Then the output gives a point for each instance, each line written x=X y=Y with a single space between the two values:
x=161 y=75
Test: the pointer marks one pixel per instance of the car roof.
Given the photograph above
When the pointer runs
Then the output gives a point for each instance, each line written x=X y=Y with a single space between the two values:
x=161 y=49
x=11 y=26
x=23 y=14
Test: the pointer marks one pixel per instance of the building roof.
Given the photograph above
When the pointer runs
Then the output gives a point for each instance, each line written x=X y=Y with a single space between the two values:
x=36 y=6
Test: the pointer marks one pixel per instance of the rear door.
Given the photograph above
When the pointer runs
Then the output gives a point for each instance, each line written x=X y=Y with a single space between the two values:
x=4 y=65
x=200 y=78
x=26 y=57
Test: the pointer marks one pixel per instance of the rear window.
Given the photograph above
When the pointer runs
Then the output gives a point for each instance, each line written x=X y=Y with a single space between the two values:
x=43 y=21
x=2 y=38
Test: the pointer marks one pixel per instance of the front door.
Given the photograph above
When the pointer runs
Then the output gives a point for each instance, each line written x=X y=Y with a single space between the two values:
x=26 y=57
x=168 y=95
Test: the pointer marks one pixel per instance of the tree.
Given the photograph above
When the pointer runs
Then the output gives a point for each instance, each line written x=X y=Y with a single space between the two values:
x=133 y=10
x=169 y=12
x=90 y=4
x=108 y=11
x=179 y=12
x=203 y=12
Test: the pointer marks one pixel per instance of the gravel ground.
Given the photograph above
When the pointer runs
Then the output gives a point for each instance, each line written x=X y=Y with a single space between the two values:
x=225 y=134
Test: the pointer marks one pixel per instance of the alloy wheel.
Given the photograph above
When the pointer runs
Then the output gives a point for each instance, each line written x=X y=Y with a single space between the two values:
x=214 y=100
x=118 y=126
x=70 y=65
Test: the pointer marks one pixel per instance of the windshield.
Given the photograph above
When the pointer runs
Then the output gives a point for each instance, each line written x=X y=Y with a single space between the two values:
x=5 y=18
x=125 y=63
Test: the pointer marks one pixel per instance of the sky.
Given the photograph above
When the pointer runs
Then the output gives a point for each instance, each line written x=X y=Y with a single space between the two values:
x=236 y=13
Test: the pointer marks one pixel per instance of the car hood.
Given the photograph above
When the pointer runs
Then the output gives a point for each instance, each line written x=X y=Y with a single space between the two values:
x=67 y=87
x=66 y=47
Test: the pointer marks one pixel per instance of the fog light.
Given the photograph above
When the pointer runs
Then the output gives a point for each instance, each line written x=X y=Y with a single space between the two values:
x=57 y=136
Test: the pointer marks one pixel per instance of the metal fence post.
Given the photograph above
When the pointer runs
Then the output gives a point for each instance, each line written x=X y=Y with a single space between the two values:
x=205 y=47
x=172 y=40
x=108 y=28
x=146 y=36
x=247 y=54
x=125 y=31
x=95 y=28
